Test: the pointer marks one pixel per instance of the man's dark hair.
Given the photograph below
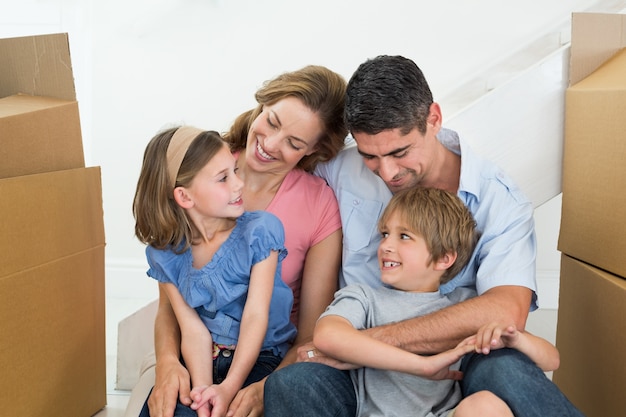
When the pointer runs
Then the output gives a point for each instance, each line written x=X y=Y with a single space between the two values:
x=387 y=92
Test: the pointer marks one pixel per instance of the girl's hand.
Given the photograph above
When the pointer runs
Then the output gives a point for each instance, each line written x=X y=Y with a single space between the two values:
x=211 y=401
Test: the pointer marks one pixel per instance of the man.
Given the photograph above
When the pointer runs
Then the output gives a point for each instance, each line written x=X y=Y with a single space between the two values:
x=400 y=143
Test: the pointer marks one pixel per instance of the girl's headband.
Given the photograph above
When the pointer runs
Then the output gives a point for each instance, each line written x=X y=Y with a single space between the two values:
x=177 y=149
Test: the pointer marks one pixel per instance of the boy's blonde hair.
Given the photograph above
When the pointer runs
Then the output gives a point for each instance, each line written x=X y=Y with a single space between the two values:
x=441 y=219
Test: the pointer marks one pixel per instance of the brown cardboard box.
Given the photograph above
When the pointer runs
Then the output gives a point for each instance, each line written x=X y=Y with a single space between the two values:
x=38 y=108
x=593 y=218
x=591 y=334
x=52 y=350
x=47 y=129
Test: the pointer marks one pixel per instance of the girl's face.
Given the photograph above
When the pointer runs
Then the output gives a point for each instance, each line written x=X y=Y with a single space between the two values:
x=404 y=259
x=282 y=135
x=216 y=190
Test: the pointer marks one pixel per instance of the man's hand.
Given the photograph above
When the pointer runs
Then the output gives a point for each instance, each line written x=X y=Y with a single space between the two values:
x=172 y=383
x=308 y=353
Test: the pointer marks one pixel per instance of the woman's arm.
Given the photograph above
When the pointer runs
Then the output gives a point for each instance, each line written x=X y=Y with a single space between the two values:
x=196 y=340
x=172 y=378
x=319 y=284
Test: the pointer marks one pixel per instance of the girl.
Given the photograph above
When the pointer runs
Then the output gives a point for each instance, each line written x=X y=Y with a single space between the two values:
x=219 y=266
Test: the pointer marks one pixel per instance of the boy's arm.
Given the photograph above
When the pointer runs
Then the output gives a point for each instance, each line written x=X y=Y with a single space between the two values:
x=335 y=336
x=196 y=340
x=542 y=352
x=496 y=336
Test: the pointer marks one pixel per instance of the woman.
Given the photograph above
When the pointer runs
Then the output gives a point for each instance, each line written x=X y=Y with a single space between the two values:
x=297 y=124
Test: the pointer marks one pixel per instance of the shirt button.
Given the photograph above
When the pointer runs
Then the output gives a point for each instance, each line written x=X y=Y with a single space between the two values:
x=355 y=202
x=226 y=353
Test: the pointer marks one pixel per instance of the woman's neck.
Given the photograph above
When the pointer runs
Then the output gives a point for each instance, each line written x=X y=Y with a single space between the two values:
x=259 y=187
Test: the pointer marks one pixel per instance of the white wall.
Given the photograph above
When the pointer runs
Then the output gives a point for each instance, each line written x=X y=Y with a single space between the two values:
x=142 y=64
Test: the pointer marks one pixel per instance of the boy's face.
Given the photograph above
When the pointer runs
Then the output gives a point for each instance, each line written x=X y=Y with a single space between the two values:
x=404 y=259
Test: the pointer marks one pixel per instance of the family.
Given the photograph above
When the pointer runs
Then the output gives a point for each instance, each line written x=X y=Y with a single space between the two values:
x=339 y=252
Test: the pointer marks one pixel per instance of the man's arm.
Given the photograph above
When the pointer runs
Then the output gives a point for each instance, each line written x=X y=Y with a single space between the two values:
x=445 y=328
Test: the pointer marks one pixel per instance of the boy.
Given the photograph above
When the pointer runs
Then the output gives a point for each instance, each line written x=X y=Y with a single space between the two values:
x=428 y=236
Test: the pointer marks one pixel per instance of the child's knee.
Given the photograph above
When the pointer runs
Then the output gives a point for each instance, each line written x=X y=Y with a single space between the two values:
x=482 y=404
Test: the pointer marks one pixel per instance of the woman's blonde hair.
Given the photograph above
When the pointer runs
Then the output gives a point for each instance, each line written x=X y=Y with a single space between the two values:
x=159 y=221
x=321 y=90
x=441 y=219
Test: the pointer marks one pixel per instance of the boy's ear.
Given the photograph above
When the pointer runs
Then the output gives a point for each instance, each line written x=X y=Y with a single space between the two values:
x=182 y=198
x=446 y=261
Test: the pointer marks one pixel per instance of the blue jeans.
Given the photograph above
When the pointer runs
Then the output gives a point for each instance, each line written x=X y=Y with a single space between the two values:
x=264 y=365
x=516 y=379
x=310 y=389
x=307 y=389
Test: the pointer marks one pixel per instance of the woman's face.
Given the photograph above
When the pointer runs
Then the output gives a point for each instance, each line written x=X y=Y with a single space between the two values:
x=282 y=135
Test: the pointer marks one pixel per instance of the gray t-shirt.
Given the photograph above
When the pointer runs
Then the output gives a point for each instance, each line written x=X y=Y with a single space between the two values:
x=388 y=393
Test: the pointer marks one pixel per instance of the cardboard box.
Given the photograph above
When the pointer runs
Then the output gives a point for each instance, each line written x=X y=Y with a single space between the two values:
x=45 y=128
x=593 y=218
x=52 y=350
x=38 y=109
x=591 y=335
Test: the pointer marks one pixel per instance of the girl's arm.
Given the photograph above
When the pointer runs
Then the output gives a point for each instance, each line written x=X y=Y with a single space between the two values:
x=254 y=322
x=335 y=336
x=319 y=283
x=196 y=340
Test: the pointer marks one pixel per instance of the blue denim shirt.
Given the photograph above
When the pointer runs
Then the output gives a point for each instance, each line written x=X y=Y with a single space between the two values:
x=218 y=290
x=506 y=251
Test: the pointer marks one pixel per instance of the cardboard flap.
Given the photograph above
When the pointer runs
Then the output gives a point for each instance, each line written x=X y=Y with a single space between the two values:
x=596 y=37
x=37 y=66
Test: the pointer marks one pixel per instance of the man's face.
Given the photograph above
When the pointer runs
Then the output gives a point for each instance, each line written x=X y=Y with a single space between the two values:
x=402 y=161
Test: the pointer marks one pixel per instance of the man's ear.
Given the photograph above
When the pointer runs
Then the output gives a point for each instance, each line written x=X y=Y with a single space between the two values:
x=434 y=119
x=446 y=261
x=182 y=198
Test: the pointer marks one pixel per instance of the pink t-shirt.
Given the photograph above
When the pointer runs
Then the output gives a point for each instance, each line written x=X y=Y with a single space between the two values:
x=308 y=209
